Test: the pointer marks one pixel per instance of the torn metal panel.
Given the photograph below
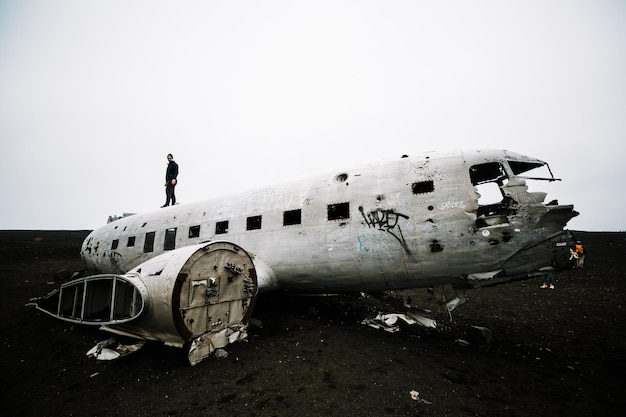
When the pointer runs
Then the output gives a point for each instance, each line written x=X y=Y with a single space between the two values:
x=205 y=344
x=391 y=322
x=110 y=349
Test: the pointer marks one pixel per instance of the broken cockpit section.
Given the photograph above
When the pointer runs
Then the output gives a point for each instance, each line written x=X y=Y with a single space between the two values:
x=501 y=188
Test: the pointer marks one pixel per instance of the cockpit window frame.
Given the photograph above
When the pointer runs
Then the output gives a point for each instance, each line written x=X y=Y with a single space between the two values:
x=487 y=172
x=520 y=167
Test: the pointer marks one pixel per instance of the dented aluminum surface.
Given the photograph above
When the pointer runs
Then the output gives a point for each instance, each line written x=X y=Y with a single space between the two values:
x=465 y=218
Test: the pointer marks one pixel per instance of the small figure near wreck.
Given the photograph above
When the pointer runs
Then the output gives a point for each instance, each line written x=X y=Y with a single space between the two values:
x=171 y=175
x=580 y=251
x=548 y=281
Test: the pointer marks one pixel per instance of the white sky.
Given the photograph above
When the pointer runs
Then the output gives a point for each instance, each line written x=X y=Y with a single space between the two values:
x=94 y=94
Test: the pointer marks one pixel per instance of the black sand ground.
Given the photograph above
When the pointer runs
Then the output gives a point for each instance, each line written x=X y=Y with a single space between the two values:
x=553 y=353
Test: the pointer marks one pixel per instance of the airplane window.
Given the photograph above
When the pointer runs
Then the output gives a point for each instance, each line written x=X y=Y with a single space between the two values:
x=131 y=241
x=170 y=239
x=292 y=217
x=114 y=244
x=148 y=245
x=253 y=223
x=423 y=187
x=221 y=227
x=533 y=170
x=339 y=211
x=491 y=171
x=194 y=231
x=520 y=167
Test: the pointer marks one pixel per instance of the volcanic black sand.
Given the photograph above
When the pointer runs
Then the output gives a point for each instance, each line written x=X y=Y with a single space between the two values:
x=555 y=352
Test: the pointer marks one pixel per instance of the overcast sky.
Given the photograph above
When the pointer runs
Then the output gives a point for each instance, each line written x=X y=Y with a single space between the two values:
x=94 y=94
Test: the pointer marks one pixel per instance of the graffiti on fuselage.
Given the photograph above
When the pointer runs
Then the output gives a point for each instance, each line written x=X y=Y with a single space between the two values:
x=387 y=221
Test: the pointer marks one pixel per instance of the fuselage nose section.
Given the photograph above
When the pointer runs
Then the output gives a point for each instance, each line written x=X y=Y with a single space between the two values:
x=86 y=253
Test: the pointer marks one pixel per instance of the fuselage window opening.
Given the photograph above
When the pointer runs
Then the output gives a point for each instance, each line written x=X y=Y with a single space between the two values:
x=292 y=217
x=221 y=227
x=194 y=231
x=493 y=206
x=253 y=223
x=519 y=167
x=488 y=178
x=114 y=244
x=131 y=241
x=339 y=211
x=423 y=187
x=148 y=245
x=170 y=239
x=488 y=172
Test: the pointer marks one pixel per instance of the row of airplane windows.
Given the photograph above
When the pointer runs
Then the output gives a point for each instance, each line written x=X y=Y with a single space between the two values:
x=290 y=218
x=336 y=211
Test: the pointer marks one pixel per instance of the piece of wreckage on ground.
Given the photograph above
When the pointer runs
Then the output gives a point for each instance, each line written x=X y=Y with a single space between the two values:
x=188 y=275
x=202 y=295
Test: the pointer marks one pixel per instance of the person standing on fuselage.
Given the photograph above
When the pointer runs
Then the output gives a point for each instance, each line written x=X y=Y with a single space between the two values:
x=171 y=174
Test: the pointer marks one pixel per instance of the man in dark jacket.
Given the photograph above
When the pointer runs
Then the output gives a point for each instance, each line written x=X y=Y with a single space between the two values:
x=171 y=173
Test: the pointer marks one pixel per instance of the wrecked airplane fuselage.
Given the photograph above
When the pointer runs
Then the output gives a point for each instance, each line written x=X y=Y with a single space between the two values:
x=464 y=218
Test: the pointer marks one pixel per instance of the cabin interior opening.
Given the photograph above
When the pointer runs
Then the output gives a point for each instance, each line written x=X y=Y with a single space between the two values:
x=194 y=231
x=292 y=217
x=148 y=245
x=253 y=223
x=170 y=239
x=339 y=211
x=221 y=227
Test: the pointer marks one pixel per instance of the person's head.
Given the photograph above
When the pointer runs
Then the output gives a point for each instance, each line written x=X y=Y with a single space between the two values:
x=170 y=157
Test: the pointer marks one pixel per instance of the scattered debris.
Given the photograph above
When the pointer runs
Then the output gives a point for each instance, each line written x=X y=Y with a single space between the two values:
x=415 y=396
x=220 y=353
x=389 y=322
x=102 y=351
x=462 y=342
